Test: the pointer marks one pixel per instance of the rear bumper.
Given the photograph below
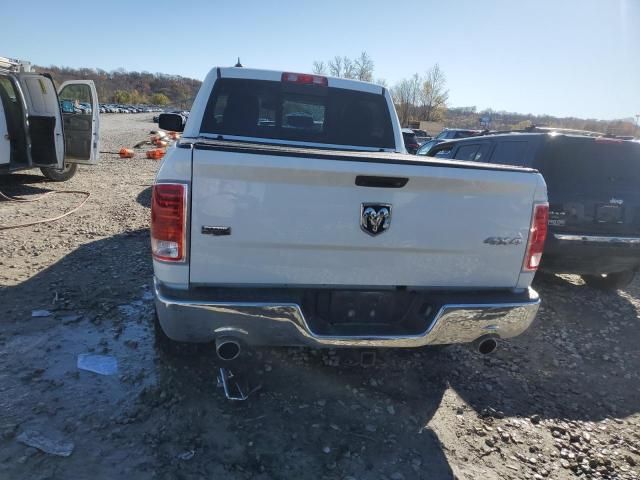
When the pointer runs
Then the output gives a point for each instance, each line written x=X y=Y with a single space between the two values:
x=284 y=324
x=590 y=254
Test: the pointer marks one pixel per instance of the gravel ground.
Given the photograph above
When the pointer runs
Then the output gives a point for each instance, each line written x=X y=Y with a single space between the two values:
x=559 y=402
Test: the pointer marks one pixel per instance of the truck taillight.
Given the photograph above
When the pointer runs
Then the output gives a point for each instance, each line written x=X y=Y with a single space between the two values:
x=169 y=221
x=537 y=235
x=305 y=78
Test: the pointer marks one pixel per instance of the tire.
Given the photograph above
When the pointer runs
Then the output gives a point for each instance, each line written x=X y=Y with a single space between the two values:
x=610 y=281
x=56 y=175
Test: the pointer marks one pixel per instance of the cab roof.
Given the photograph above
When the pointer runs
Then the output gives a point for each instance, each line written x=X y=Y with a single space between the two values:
x=276 y=76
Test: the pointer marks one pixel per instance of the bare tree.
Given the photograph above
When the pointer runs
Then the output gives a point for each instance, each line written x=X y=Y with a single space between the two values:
x=348 y=68
x=402 y=95
x=319 y=68
x=364 y=67
x=360 y=68
x=336 y=67
x=405 y=96
x=433 y=94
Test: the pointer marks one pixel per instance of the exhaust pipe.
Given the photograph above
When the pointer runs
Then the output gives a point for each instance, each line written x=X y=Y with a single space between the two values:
x=227 y=348
x=486 y=345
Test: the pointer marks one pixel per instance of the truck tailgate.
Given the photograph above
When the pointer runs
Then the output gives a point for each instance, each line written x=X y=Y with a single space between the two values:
x=295 y=220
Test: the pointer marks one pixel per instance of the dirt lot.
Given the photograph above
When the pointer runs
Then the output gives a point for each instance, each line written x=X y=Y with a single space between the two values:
x=559 y=402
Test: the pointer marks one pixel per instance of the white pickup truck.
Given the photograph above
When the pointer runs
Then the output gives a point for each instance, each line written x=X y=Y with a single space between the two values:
x=290 y=214
x=40 y=126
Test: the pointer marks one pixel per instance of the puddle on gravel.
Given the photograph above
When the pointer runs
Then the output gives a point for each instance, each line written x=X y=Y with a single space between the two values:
x=45 y=364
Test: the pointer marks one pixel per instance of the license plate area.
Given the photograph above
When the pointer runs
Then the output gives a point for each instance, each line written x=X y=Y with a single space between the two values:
x=353 y=312
x=363 y=308
x=609 y=214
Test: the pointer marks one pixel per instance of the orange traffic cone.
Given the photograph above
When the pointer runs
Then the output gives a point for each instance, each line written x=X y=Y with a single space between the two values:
x=126 y=153
x=155 y=154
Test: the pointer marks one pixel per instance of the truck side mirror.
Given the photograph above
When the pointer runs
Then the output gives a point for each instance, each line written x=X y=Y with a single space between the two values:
x=173 y=122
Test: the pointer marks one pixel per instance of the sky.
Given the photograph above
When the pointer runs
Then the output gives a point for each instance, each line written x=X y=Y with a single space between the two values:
x=560 y=57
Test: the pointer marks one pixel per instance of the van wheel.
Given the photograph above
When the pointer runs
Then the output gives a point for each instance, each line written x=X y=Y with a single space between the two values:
x=610 y=281
x=60 y=175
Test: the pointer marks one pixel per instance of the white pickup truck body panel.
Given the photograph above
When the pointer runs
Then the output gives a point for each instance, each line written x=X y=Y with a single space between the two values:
x=276 y=254
x=295 y=221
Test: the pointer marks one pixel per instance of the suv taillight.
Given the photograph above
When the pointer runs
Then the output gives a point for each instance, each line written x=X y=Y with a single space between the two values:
x=537 y=235
x=169 y=221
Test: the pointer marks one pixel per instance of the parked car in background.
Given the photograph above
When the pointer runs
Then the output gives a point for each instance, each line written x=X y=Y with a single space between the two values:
x=410 y=141
x=453 y=133
x=428 y=145
x=119 y=108
x=421 y=135
x=594 y=197
x=41 y=127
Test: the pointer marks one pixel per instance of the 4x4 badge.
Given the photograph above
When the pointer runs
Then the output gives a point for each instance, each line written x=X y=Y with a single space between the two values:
x=375 y=218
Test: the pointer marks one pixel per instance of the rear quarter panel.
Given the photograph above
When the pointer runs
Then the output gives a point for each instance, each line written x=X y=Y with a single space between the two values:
x=175 y=167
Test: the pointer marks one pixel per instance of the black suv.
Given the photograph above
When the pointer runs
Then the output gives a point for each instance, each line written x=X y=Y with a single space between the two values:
x=453 y=133
x=594 y=197
x=410 y=140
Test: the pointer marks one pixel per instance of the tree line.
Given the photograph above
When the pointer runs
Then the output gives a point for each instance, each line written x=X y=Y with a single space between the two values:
x=418 y=97
x=421 y=97
x=359 y=68
x=467 y=117
x=121 y=86
x=424 y=97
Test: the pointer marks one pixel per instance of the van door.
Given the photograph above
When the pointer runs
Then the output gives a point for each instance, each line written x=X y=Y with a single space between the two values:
x=5 y=145
x=45 y=121
x=13 y=114
x=81 y=117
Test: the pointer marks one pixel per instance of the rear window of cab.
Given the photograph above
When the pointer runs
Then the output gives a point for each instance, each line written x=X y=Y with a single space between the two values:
x=294 y=112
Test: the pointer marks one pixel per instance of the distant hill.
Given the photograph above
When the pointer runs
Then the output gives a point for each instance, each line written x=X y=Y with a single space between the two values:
x=468 y=117
x=120 y=86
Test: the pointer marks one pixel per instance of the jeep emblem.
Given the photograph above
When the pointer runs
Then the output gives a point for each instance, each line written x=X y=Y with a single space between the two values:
x=375 y=218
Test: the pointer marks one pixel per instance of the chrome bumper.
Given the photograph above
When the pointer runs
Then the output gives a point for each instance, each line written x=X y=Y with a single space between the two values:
x=283 y=324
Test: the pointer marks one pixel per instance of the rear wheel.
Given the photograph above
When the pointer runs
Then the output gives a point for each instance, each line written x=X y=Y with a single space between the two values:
x=60 y=175
x=610 y=281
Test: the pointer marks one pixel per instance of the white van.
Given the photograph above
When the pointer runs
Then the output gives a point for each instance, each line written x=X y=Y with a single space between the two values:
x=41 y=127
